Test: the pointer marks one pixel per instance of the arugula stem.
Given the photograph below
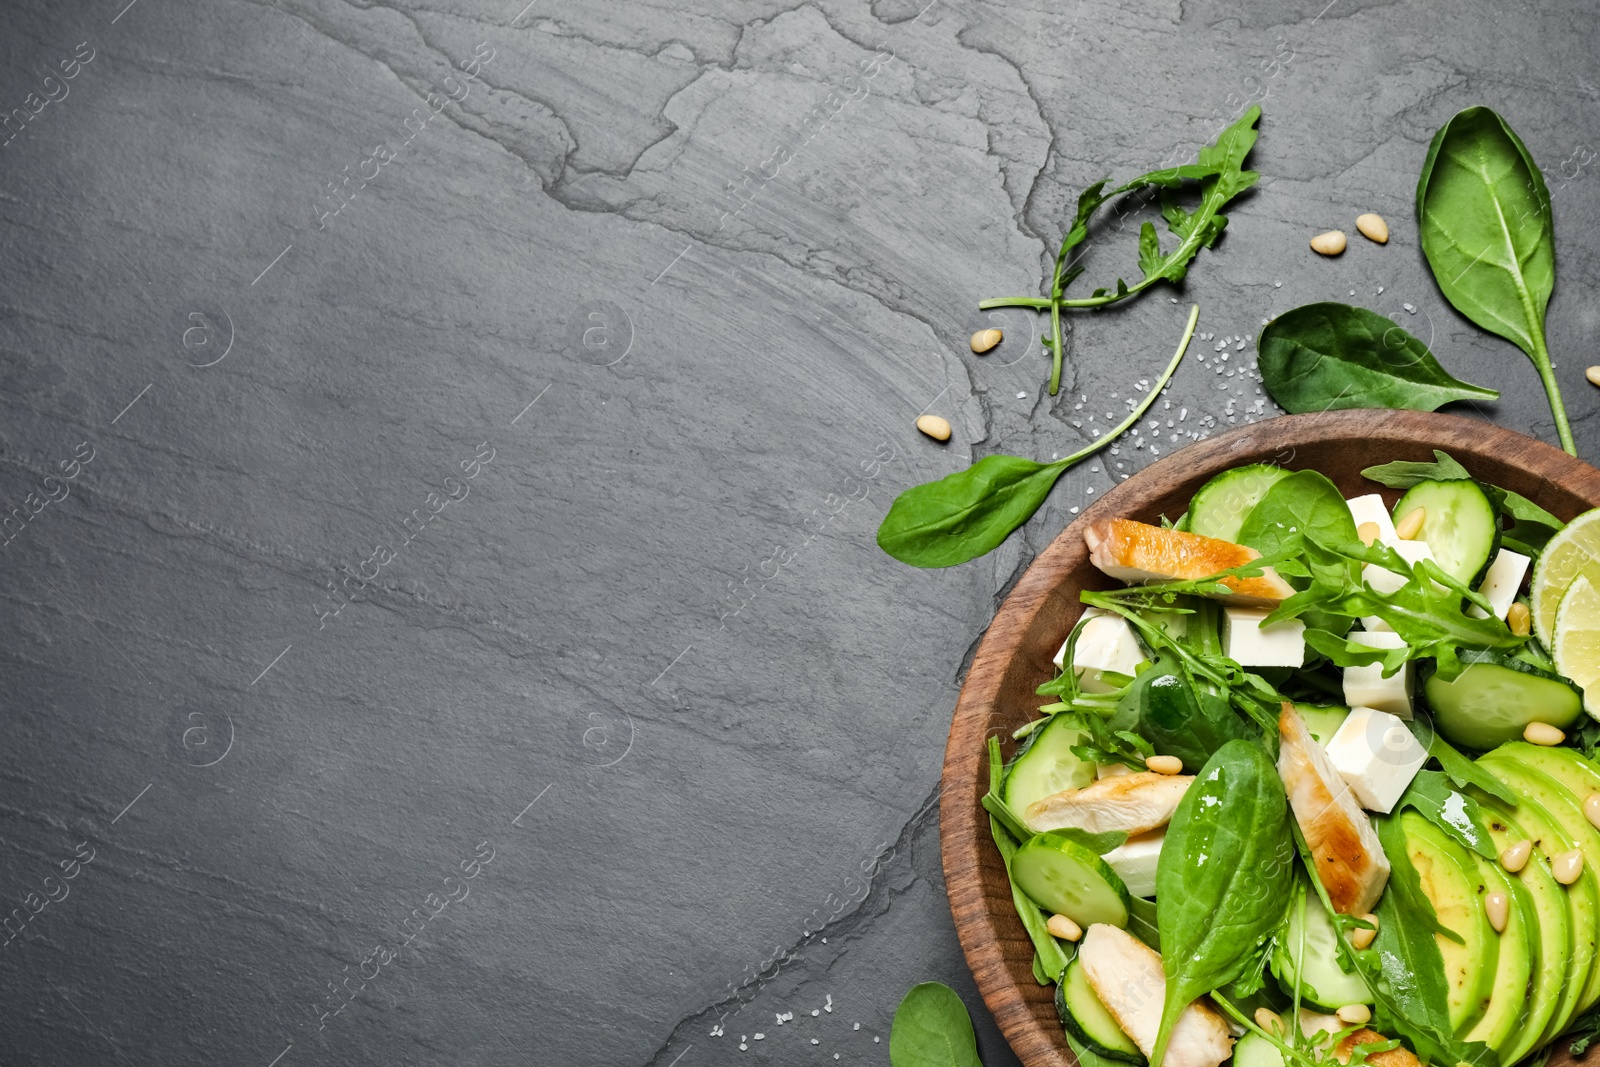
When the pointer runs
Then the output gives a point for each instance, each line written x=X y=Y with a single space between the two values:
x=1289 y=1051
x=1552 y=389
x=1144 y=405
x=1042 y=303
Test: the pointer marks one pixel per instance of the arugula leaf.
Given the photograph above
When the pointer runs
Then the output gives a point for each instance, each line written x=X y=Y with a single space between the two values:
x=1403 y=473
x=1484 y=217
x=1219 y=172
x=1430 y=794
x=969 y=513
x=932 y=1029
x=1049 y=959
x=1224 y=878
x=1327 y=356
x=1107 y=744
x=1460 y=770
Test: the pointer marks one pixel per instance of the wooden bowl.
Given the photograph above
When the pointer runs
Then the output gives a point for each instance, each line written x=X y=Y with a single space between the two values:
x=1015 y=656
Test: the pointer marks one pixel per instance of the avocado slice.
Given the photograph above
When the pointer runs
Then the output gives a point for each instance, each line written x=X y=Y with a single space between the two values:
x=1567 y=810
x=1553 y=822
x=1511 y=990
x=1451 y=883
x=1550 y=930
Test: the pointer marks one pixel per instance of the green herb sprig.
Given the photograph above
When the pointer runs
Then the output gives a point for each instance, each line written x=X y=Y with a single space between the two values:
x=1219 y=168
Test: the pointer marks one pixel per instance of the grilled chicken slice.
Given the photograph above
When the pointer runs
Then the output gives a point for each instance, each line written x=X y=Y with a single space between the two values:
x=1126 y=975
x=1136 y=552
x=1130 y=802
x=1349 y=859
x=1398 y=1057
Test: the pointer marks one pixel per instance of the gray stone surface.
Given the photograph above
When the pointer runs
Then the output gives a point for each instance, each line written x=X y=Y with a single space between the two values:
x=645 y=653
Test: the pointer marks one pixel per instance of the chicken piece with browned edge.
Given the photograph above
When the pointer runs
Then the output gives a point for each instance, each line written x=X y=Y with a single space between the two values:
x=1126 y=975
x=1131 y=803
x=1349 y=859
x=1139 y=552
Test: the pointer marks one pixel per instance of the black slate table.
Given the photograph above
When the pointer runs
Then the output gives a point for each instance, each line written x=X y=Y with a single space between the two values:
x=444 y=442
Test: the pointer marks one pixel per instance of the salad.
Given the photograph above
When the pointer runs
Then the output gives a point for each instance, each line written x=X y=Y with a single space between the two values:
x=1318 y=785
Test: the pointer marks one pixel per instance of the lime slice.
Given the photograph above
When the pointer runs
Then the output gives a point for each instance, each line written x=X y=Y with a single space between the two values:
x=1577 y=644
x=1571 y=554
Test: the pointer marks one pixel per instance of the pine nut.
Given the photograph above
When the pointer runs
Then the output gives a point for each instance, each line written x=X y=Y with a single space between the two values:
x=1542 y=733
x=1354 y=1014
x=1063 y=927
x=1328 y=244
x=1515 y=857
x=1270 y=1021
x=1408 y=528
x=1591 y=809
x=1368 y=532
x=934 y=427
x=1568 y=866
x=1499 y=909
x=1520 y=619
x=984 y=340
x=1363 y=938
x=1164 y=764
x=1593 y=374
x=1373 y=228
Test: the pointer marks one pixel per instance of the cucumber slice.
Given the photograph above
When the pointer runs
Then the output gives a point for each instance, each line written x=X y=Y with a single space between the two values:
x=1323 y=720
x=1063 y=877
x=1087 y=1019
x=1323 y=983
x=1253 y=1050
x=1494 y=699
x=1460 y=526
x=1047 y=765
x=1219 y=508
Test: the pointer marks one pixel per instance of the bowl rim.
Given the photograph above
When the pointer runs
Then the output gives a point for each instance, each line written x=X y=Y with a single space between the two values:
x=984 y=923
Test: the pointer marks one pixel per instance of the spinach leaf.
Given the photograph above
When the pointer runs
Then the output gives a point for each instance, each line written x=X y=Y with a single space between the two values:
x=1404 y=969
x=1218 y=169
x=932 y=1029
x=1176 y=716
x=1224 y=878
x=966 y=514
x=1433 y=797
x=1322 y=357
x=1305 y=504
x=1484 y=215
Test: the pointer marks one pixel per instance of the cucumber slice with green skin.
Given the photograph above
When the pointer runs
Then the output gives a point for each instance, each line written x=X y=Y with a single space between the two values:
x=1549 y=818
x=1323 y=721
x=1087 y=1019
x=1063 y=877
x=1219 y=508
x=1323 y=983
x=1450 y=882
x=1494 y=699
x=1459 y=524
x=1551 y=931
x=1253 y=1050
x=1047 y=765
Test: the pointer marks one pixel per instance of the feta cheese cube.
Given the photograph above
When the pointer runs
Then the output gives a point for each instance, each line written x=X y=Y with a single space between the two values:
x=1244 y=639
x=1386 y=582
x=1377 y=756
x=1371 y=508
x=1135 y=861
x=1501 y=583
x=1106 y=643
x=1366 y=687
